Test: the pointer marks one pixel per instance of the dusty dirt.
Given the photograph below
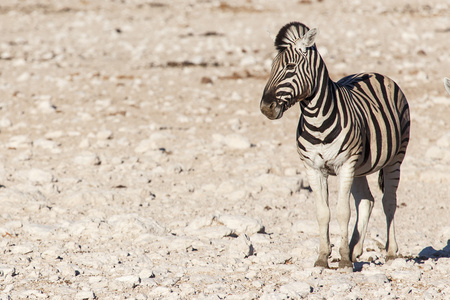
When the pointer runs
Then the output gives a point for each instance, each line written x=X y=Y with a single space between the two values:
x=136 y=163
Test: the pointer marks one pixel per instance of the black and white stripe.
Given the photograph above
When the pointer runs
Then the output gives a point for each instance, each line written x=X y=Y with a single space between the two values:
x=351 y=128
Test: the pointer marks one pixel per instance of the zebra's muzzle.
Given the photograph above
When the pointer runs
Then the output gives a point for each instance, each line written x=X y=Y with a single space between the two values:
x=272 y=110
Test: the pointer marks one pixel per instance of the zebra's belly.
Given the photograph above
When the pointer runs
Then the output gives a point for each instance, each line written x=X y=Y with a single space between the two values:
x=328 y=158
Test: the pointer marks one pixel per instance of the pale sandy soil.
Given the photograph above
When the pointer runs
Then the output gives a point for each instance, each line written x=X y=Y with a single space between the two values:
x=136 y=163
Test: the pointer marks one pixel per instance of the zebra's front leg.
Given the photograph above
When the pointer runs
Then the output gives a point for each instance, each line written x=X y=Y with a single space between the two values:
x=319 y=185
x=346 y=175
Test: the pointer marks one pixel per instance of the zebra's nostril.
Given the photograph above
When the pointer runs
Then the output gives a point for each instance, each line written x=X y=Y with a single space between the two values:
x=272 y=105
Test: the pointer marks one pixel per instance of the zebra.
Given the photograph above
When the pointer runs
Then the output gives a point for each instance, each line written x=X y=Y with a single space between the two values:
x=350 y=128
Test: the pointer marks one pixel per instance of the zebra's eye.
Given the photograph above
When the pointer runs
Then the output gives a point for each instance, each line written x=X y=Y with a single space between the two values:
x=290 y=66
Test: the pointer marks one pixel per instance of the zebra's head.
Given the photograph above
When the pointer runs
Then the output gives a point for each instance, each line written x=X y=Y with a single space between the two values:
x=290 y=78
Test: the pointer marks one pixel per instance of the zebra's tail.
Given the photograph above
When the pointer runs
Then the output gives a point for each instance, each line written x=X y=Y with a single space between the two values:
x=381 y=180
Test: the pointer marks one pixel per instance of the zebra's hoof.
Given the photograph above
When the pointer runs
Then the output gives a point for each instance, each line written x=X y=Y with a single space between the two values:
x=390 y=257
x=321 y=264
x=345 y=264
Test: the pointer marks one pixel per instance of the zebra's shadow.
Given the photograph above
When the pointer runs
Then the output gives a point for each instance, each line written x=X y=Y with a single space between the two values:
x=426 y=254
x=431 y=253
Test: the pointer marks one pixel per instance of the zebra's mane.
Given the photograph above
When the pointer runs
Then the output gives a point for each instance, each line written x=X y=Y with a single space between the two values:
x=289 y=34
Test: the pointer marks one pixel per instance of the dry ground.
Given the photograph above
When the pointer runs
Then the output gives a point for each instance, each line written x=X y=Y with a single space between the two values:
x=136 y=163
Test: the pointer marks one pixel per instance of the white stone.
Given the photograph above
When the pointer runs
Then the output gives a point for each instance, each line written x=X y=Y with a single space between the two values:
x=241 y=224
x=88 y=197
x=6 y=270
x=22 y=249
x=145 y=145
x=105 y=134
x=241 y=247
x=87 y=159
x=444 y=141
x=260 y=239
x=19 y=141
x=85 y=295
x=66 y=270
x=215 y=232
x=444 y=233
x=130 y=280
x=5 y=122
x=160 y=292
x=272 y=257
x=376 y=278
x=410 y=276
x=45 y=144
x=248 y=61
x=132 y=225
x=435 y=152
x=146 y=273
x=309 y=227
x=46 y=106
x=38 y=230
x=200 y=222
x=296 y=289
x=38 y=176
x=54 y=134
x=237 y=141
x=23 y=77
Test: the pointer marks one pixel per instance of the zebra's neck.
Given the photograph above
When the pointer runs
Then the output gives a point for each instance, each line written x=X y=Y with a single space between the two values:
x=320 y=105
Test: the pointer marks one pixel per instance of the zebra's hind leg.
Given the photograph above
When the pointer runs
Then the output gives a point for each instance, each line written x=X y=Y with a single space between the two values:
x=391 y=179
x=364 y=203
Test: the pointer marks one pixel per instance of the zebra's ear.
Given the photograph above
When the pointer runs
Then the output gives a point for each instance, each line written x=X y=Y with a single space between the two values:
x=307 y=40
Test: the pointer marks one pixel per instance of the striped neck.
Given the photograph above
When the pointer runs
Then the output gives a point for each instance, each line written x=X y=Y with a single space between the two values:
x=320 y=109
x=321 y=97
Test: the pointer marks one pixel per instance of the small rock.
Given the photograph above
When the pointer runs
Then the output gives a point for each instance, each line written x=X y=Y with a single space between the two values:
x=22 y=249
x=146 y=273
x=5 y=122
x=309 y=227
x=215 y=232
x=45 y=144
x=201 y=222
x=241 y=224
x=260 y=239
x=248 y=61
x=54 y=134
x=241 y=247
x=6 y=270
x=376 y=278
x=87 y=159
x=46 y=106
x=130 y=280
x=67 y=271
x=105 y=135
x=133 y=225
x=19 y=141
x=38 y=230
x=85 y=295
x=237 y=141
x=434 y=152
x=145 y=145
x=37 y=176
x=410 y=276
x=23 y=77
x=296 y=289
